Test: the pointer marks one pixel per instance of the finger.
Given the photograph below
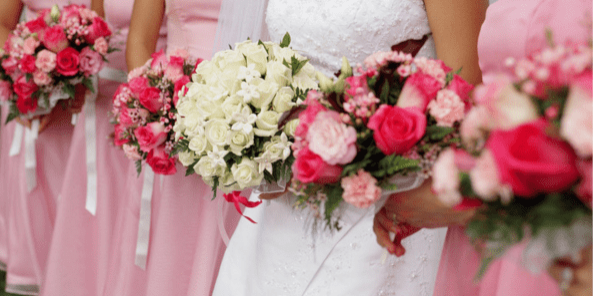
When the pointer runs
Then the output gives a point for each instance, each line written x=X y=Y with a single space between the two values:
x=24 y=122
x=268 y=196
x=44 y=122
x=383 y=238
x=386 y=221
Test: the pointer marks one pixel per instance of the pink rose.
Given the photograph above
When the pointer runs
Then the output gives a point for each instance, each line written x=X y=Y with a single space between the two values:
x=41 y=78
x=530 y=161
x=180 y=52
x=160 y=162
x=30 y=45
x=97 y=29
x=10 y=64
x=178 y=86
x=447 y=108
x=55 y=39
x=37 y=25
x=5 y=90
x=462 y=89
x=26 y=104
x=71 y=11
x=329 y=138
x=151 y=99
x=576 y=125
x=91 y=62
x=120 y=135
x=485 y=180
x=159 y=59
x=46 y=61
x=101 y=46
x=138 y=84
x=150 y=136
x=124 y=117
x=137 y=72
x=360 y=190
x=310 y=168
x=474 y=125
x=584 y=188
x=307 y=117
x=131 y=152
x=396 y=129
x=445 y=180
x=24 y=88
x=198 y=62
x=418 y=90
x=27 y=64
x=174 y=70
x=67 y=62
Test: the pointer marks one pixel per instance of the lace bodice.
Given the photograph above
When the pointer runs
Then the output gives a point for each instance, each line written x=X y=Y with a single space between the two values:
x=326 y=30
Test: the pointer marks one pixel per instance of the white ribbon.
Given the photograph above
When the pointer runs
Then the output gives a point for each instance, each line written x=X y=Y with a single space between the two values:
x=144 y=222
x=30 y=159
x=17 y=139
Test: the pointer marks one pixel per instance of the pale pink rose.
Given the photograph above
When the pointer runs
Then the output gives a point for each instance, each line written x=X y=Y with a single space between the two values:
x=418 y=90
x=447 y=108
x=484 y=177
x=46 y=61
x=159 y=60
x=576 y=125
x=91 y=62
x=30 y=45
x=445 y=180
x=307 y=117
x=5 y=90
x=101 y=46
x=474 y=126
x=150 y=136
x=174 y=69
x=180 y=52
x=41 y=78
x=332 y=140
x=137 y=72
x=360 y=190
x=464 y=161
x=87 y=14
x=131 y=152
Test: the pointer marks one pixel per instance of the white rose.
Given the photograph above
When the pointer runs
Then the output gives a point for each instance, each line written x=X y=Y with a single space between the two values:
x=272 y=147
x=187 y=158
x=228 y=183
x=267 y=123
x=191 y=115
x=239 y=140
x=210 y=109
x=303 y=81
x=272 y=47
x=205 y=72
x=229 y=60
x=286 y=54
x=230 y=83
x=217 y=132
x=283 y=100
x=232 y=105
x=207 y=168
x=199 y=144
x=278 y=73
x=246 y=173
x=267 y=90
x=256 y=54
x=290 y=127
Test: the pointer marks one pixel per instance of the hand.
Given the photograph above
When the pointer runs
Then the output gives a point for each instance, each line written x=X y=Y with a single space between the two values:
x=75 y=106
x=44 y=121
x=574 y=278
x=383 y=225
x=270 y=196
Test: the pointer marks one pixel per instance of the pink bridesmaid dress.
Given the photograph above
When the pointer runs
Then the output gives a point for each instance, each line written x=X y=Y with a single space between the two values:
x=513 y=28
x=4 y=147
x=82 y=243
x=31 y=215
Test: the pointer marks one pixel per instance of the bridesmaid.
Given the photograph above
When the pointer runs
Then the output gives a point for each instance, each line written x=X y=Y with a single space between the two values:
x=185 y=243
x=31 y=215
x=82 y=242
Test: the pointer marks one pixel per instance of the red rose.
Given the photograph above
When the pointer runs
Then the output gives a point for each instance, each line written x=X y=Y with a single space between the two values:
x=27 y=64
x=150 y=136
x=397 y=129
x=418 y=90
x=584 y=189
x=98 y=29
x=119 y=132
x=178 y=86
x=55 y=39
x=24 y=88
x=67 y=62
x=26 y=104
x=310 y=168
x=151 y=99
x=530 y=161
x=9 y=64
x=37 y=25
x=462 y=89
x=160 y=162
x=138 y=84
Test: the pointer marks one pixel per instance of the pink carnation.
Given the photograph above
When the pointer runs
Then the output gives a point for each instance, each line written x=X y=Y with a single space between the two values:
x=462 y=89
x=445 y=180
x=360 y=190
x=10 y=64
x=41 y=78
x=137 y=72
x=46 y=61
x=91 y=62
x=101 y=46
x=30 y=45
x=447 y=108
x=332 y=140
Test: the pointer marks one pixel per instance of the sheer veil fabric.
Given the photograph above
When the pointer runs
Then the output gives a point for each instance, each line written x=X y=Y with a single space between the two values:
x=239 y=20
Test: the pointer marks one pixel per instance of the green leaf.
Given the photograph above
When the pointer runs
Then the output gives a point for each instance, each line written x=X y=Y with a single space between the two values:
x=334 y=198
x=69 y=90
x=13 y=113
x=355 y=166
x=264 y=46
x=88 y=83
x=384 y=97
x=180 y=146
x=296 y=65
x=437 y=133
x=190 y=169
x=394 y=164
x=285 y=40
x=215 y=183
x=139 y=167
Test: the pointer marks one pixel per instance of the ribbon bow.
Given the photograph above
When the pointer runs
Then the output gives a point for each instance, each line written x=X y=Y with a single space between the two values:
x=236 y=198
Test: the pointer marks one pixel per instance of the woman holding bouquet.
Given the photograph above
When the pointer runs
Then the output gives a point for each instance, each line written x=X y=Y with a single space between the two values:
x=83 y=242
x=31 y=215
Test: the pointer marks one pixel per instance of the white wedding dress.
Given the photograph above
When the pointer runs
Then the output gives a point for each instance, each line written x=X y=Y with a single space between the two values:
x=279 y=256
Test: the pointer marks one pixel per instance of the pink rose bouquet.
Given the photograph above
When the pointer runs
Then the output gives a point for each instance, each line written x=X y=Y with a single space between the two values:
x=43 y=59
x=359 y=132
x=144 y=111
x=526 y=159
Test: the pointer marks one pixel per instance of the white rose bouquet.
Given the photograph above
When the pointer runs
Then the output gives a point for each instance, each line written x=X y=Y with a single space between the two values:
x=227 y=122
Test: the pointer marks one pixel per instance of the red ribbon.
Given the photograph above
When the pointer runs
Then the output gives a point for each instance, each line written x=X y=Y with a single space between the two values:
x=236 y=198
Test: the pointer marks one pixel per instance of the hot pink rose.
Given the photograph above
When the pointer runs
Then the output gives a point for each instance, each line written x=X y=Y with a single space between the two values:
x=97 y=29
x=24 y=88
x=41 y=78
x=124 y=117
x=159 y=59
x=160 y=162
x=37 y=25
x=119 y=135
x=530 y=161
x=67 y=62
x=27 y=64
x=307 y=117
x=329 y=138
x=178 y=86
x=138 y=84
x=198 y=62
x=10 y=64
x=151 y=99
x=91 y=62
x=584 y=189
x=30 y=45
x=46 y=61
x=462 y=89
x=447 y=108
x=397 y=129
x=360 y=190
x=101 y=46
x=131 y=152
x=310 y=168
x=418 y=90
x=576 y=125
x=26 y=104
x=150 y=136
x=55 y=39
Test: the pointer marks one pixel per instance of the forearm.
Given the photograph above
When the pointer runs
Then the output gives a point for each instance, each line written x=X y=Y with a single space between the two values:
x=10 y=12
x=144 y=31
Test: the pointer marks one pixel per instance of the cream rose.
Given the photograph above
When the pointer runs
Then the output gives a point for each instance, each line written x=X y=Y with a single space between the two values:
x=217 y=132
x=267 y=90
x=207 y=168
x=232 y=105
x=246 y=173
x=290 y=127
x=255 y=54
x=187 y=158
x=304 y=81
x=229 y=60
x=206 y=72
x=210 y=109
x=267 y=123
x=199 y=144
x=239 y=140
x=278 y=73
x=283 y=100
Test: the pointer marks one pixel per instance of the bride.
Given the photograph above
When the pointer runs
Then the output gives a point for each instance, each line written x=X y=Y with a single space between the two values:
x=278 y=255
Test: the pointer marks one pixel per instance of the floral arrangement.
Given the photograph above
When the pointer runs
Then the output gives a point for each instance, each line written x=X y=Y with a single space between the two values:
x=526 y=159
x=227 y=122
x=144 y=110
x=362 y=133
x=45 y=58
